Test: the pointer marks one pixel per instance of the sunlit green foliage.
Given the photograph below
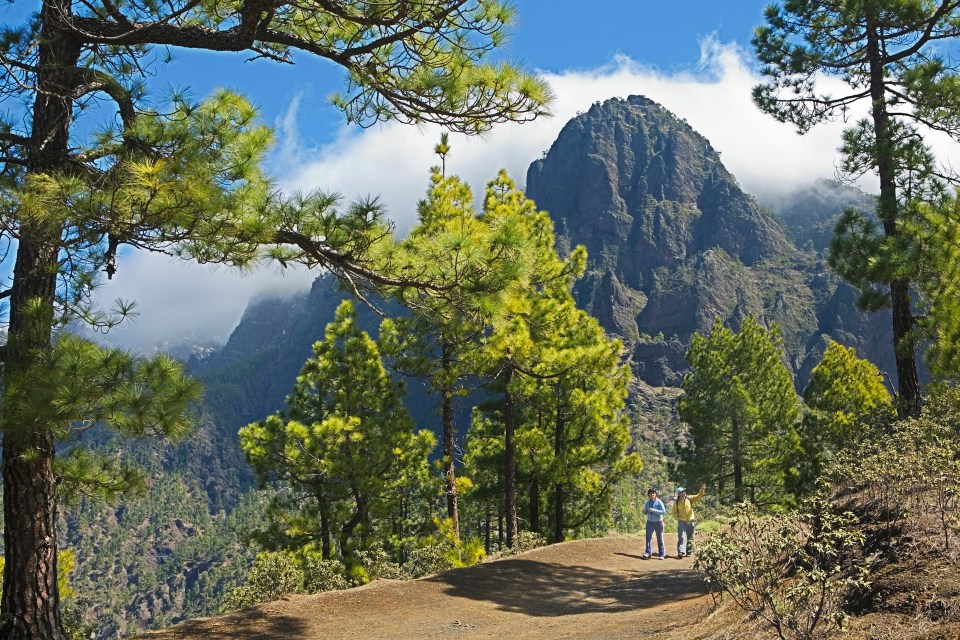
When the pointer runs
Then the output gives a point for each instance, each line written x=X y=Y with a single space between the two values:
x=742 y=411
x=470 y=264
x=573 y=433
x=845 y=394
x=560 y=430
x=278 y=573
x=937 y=260
x=344 y=457
x=844 y=389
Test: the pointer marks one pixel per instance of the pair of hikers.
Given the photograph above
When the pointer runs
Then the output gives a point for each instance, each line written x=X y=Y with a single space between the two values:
x=682 y=511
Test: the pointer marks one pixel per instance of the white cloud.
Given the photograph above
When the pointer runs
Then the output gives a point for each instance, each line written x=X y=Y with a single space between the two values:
x=392 y=161
x=179 y=302
x=765 y=155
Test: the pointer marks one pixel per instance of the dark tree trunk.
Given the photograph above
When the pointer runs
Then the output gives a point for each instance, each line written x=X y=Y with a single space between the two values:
x=509 y=461
x=499 y=529
x=30 y=603
x=558 y=493
x=903 y=320
x=486 y=534
x=346 y=534
x=737 y=462
x=558 y=513
x=30 y=607
x=449 y=462
x=30 y=595
x=535 y=505
x=324 y=529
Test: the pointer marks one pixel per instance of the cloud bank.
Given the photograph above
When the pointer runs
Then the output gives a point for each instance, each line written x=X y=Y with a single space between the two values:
x=188 y=302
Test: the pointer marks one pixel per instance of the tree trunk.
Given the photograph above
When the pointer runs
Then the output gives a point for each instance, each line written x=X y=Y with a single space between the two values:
x=486 y=531
x=737 y=462
x=904 y=344
x=535 y=505
x=499 y=529
x=509 y=461
x=30 y=595
x=558 y=488
x=30 y=607
x=558 y=513
x=324 y=530
x=486 y=534
x=446 y=417
x=346 y=544
x=30 y=603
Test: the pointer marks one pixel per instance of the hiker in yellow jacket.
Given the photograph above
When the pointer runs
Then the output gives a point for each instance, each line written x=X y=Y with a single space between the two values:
x=686 y=522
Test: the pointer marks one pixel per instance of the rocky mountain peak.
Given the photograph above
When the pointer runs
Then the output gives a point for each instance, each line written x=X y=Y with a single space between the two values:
x=650 y=198
x=643 y=190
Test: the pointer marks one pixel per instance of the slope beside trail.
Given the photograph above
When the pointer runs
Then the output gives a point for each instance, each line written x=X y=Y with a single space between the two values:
x=587 y=589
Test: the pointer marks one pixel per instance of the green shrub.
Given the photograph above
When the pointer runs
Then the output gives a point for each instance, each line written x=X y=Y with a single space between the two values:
x=319 y=574
x=444 y=550
x=523 y=542
x=377 y=565
x=792 y=570
x=273 y=574
x=277 y=573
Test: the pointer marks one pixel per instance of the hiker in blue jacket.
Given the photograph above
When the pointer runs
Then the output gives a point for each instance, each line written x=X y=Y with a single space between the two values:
x=655 y=511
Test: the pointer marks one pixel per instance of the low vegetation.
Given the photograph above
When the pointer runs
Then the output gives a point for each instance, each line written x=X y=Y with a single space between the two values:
x=857 y=556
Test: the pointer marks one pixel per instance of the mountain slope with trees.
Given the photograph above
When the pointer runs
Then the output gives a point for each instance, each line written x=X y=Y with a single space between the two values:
x=764 y=275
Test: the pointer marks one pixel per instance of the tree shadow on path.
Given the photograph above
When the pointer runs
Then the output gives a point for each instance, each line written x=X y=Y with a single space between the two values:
x=251 y=624
x=546 y=589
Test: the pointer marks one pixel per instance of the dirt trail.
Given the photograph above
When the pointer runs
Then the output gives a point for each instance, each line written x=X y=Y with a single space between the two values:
x=586 y=589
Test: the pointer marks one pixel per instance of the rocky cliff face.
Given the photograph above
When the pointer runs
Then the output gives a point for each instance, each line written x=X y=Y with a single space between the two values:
x=675 y=242
x=642 y=190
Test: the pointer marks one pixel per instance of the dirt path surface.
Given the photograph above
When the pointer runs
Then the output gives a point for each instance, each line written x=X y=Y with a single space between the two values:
x=586 y=589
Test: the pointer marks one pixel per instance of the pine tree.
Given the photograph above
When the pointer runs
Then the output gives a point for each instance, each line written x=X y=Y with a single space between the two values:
x=742 y=411
x=842 y=389
x=936 y=257
x=469 y=263
x=563 y=429
x=185 y=177
x=890 y=54
x=344 y=455
x=573 y=426
x=844 y=395
x=511 y=350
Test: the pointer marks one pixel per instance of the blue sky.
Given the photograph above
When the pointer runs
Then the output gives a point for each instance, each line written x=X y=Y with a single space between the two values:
x=692 y=56
x=551 y=36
